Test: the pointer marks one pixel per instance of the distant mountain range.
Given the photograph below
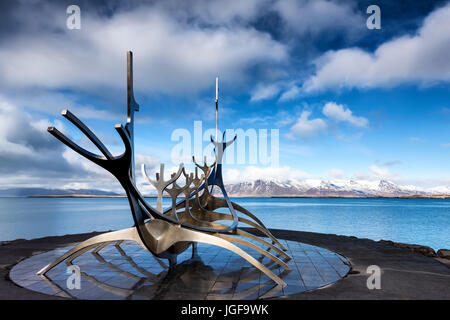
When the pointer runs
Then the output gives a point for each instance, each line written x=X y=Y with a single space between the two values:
x=28 y=192
x=326 y=188
x=271 y=188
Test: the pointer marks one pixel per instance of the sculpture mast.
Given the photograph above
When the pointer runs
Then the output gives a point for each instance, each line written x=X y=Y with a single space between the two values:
x=217 y=107
x=132 y=106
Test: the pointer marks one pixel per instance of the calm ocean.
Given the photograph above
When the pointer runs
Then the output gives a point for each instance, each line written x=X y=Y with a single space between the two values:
x=419 y=221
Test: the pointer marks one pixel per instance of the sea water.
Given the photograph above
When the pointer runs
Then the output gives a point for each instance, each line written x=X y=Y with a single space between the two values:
x=418 y=221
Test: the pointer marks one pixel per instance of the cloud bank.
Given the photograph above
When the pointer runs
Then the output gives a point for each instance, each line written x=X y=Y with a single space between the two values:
x=173 y=56
x=421 y=58
x=305 y=127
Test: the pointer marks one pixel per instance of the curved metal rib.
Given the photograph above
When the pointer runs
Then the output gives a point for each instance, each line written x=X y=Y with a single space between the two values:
x=83 y=152
x=166 y=235
x=135 y=198
x=124 y=234
x=87 y=132
x=160 y=184
x=210 y=215
x=244 y=242
x=215 y=216
x=256 y=248
x=144 y=271
x=149 y=276
x=163 y=235
x=253 y=237
x=219 y=147
x=217 y=203
x=108 y=288
x=182 y=234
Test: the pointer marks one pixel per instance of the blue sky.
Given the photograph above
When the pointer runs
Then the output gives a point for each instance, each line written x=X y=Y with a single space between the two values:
x=349 y=102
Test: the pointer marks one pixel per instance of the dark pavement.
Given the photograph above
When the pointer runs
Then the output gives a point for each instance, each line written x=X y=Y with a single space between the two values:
x=404 y=274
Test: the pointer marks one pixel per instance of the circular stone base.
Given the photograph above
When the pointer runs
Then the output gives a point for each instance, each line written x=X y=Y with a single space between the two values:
x=127 y=271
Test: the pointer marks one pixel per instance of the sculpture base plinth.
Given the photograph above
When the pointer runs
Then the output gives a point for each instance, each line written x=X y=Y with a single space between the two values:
x=127 y=271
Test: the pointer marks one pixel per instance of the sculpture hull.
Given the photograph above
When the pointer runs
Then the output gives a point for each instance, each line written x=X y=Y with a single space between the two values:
x=168 y=233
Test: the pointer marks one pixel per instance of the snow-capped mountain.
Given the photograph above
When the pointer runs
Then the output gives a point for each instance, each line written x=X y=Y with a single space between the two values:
x=340 y=188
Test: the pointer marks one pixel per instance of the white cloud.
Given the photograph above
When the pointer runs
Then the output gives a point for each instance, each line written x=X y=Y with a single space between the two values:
x=52 y=102
x=339 y=112
x=264 y=92
x=445 y=145
x=78 y=161
x=7 y=114
x=169 y=55
x=99 y=178
x=292 y=93
x=23 y=135
x=381 y=172
x=392 y=163
x=31 y=157
x=376 y=173
x=148 y=160
x=360 y=175
x=312 y=17
x=280 y=119
x=215 y=12
x=336 y=173
x=421 y=58
x=252 y=173
x=304 y=127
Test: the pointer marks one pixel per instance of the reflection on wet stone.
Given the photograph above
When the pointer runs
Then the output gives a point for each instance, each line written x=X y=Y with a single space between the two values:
x=127 y=271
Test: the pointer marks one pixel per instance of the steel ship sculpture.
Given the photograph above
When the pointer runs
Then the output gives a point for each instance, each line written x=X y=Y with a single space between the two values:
x=167 y=233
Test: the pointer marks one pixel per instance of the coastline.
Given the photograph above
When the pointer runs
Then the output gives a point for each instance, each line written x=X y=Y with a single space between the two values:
x=442 y=255
x=254 y=196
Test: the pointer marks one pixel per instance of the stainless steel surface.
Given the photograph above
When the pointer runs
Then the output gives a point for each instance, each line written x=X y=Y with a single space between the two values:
x=129 y=272
x=159 y=183
x=132 y=107
x=168 y=233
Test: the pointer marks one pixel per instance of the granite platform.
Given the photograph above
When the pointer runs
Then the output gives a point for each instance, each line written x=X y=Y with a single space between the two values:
x=125 y=270
x=404 y=274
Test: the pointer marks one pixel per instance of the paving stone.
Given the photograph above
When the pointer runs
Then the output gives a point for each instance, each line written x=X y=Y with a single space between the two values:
x=129 y=272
